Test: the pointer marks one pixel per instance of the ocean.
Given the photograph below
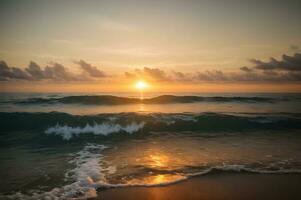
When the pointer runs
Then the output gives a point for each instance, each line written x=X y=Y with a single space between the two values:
x=75 y=145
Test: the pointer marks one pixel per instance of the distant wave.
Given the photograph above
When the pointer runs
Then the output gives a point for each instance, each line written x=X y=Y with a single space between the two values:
x=164 y=99
x=68 y=126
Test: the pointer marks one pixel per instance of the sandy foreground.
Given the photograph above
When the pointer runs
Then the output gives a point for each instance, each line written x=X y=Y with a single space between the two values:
x=216 y=186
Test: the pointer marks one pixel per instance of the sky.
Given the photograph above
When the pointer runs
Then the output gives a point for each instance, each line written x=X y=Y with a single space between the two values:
x=174 y=45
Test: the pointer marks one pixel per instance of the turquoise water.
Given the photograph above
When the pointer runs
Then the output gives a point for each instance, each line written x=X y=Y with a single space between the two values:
x=62 y=146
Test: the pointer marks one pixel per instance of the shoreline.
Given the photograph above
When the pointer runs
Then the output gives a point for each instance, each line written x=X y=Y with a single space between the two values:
x=232 y=186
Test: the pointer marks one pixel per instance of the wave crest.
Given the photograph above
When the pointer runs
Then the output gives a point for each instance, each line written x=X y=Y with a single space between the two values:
x=163 y=99
x=68 y=125
x=67 y=132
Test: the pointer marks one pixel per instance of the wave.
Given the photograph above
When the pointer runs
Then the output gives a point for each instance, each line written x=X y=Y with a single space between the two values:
x=163 y=99
x=89 y=175
x=211 y=170
x=87 y=188
x=69 y=126
x=67 y=132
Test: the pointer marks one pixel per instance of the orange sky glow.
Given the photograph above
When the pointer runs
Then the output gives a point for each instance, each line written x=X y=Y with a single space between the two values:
x=175 y=46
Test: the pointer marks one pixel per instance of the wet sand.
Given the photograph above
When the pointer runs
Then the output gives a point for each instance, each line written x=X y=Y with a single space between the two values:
x=228 y=186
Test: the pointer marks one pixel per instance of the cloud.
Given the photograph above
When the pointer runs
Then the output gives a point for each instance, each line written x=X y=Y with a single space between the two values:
x=246 y=69
x=243 y=75
x=35 y=70
x=180 y=76
x=288 y=69
x=7 y=73
x=91 y=70
x=212 y=76
x=130 y=75
x=154 y=74
x=58 y=72
x=288 y=63
x=249 y=76
x=159 y=75
x=54 y=71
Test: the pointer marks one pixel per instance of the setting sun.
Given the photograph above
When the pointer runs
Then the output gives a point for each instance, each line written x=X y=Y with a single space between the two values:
x=141 y=85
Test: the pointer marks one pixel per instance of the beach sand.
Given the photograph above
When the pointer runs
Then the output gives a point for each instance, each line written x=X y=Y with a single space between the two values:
x=224 y=186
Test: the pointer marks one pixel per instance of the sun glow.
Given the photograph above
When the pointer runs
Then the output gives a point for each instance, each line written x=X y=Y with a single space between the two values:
x=141 y=85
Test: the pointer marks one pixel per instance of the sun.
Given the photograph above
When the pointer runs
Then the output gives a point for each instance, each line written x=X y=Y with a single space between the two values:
x=141 y=85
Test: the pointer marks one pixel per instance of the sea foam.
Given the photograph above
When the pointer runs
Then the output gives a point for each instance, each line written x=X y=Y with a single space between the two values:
x=67 y=132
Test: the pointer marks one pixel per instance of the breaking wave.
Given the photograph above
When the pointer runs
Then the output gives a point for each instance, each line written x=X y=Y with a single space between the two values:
x=89 y=176
x=163 y=99
x=67 y=132
x=67 y=126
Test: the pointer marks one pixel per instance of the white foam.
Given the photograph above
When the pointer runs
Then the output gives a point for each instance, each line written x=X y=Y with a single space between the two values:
x=67 y=132
x=90 y=173
x=243 y=168
x=88 y=170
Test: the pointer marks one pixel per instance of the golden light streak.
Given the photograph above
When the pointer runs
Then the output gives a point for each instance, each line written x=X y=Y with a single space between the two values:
x=141 y=86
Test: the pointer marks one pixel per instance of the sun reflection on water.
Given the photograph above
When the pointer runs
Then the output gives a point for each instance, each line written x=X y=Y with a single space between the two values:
x=159 y=160
x=141 y=107
x=156 y=159
x=157 y=179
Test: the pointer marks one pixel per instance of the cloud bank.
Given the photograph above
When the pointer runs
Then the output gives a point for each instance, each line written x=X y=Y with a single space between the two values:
x=90 y=70
x=287 y=69
x=288 y=63
x=53 y=71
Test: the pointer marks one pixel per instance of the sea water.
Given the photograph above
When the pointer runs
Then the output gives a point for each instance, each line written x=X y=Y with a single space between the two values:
x=63 y=146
